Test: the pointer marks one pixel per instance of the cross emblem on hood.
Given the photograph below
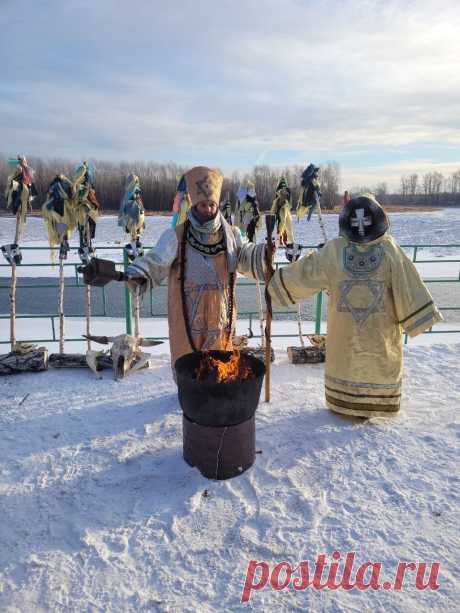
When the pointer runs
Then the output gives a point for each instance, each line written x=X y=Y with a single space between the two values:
x=361 y=221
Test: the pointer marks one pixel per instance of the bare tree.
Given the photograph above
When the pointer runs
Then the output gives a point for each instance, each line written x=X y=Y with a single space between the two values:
x=330 y=185
x=381 y=191
x=428 y=185
x=455 y=182
x=413 y=179
x=405 y=187
x=438 y=181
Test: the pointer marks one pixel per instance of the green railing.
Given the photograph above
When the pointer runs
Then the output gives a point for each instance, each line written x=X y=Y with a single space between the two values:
x=251 y=315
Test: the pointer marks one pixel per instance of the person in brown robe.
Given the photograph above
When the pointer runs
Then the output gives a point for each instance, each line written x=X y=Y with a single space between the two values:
x=201 y=259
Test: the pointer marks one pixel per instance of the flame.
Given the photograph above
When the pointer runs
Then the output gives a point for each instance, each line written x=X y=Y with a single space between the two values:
x=223 y=372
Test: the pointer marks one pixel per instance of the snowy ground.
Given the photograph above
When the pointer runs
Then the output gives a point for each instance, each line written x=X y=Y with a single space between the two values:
x=100 y=512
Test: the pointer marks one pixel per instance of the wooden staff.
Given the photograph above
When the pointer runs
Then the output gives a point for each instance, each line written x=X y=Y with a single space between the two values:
x=61 y=302
x=320 y=219
x=270 y=221
x=88 y=293
x=261 y=314
x=13 y=286
x=299 y=325
x=137 y=312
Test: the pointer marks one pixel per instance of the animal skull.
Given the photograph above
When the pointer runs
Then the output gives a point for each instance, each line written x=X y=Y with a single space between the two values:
x=125 y=352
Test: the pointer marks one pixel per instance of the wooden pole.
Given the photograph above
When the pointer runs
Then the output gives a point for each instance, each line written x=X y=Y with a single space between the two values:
x=299 y=325
x=13 y=287
x=320 y=220
x=88 y=293
x=261 y=314
x=270 y=221
x=137 y=312
x=128 y=300
x=61 y=304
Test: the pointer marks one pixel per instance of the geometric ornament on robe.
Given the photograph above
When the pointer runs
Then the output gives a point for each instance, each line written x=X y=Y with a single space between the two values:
x=361 y=298
x=362 y=263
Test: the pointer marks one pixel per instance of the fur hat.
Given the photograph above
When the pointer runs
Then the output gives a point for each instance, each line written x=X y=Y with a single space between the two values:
x=204 y=184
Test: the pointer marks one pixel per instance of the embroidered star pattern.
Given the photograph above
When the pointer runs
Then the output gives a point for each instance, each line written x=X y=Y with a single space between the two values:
x=375 y=295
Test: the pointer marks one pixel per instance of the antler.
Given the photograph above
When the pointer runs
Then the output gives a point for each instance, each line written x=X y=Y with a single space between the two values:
x=143 y=342
x=103 y=340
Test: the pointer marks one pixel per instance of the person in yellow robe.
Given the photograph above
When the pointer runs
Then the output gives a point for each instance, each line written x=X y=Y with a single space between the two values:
x=201 y=259
x=375 y=293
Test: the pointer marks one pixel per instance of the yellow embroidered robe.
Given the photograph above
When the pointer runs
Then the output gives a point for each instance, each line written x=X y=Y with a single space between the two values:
x=375 y=293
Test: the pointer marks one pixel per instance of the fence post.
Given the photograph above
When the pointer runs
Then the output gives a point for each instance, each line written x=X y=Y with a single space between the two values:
x=128 y=299
x=319 y=311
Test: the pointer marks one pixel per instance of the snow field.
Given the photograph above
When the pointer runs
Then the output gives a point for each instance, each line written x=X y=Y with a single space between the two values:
x=101 y=513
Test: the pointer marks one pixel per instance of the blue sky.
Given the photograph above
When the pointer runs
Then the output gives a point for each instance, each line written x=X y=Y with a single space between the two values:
x=373 y=85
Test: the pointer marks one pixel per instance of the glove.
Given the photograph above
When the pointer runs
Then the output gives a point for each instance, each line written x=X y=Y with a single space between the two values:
x=293 y=252
x=135 y=280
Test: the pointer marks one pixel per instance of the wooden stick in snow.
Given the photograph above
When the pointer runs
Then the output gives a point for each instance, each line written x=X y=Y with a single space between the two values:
x=61 y=304
x=137 y=312
x=270 y=221
x=13 y=287
x=299 y=325
x=261 y=314
x=88 y=294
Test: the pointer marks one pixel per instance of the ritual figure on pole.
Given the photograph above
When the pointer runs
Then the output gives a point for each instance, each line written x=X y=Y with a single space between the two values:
x=86 y=209
x=201 y=257
x=310 y=191
x=375 y=294
x=19 y=193
x=248 y=217
x=131 y=216
x=226 y=209
x=58 y=213
x=281 y=207
x=181 y=204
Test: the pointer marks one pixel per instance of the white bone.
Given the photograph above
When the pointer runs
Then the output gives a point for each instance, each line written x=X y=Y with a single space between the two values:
x=91 y=360
x=125 y=346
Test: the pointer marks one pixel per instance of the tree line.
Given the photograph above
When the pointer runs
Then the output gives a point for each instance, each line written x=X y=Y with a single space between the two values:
x=159 y=182
x=432 y=188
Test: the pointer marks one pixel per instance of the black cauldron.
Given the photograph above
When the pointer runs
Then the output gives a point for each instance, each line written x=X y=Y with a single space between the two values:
x=218 y=404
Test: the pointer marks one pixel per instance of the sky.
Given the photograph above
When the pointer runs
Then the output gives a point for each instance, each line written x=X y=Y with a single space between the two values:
x=373 y=85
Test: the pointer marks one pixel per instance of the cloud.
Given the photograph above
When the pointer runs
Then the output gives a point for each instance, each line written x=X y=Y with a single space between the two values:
x=231 y=82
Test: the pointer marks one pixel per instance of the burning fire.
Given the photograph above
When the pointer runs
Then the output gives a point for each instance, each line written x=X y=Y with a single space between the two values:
x=223 y=372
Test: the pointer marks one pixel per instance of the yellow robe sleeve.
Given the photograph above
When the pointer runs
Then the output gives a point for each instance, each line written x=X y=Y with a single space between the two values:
x=303 y=279
x=414 y=306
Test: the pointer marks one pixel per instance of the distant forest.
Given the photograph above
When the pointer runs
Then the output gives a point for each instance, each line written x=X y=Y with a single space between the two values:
x=159 y=181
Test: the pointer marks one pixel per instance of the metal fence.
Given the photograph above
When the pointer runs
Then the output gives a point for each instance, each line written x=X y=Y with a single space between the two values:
x=252 y=315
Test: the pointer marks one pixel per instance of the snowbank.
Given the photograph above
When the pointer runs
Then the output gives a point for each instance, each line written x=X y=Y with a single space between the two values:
x=100 y=512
